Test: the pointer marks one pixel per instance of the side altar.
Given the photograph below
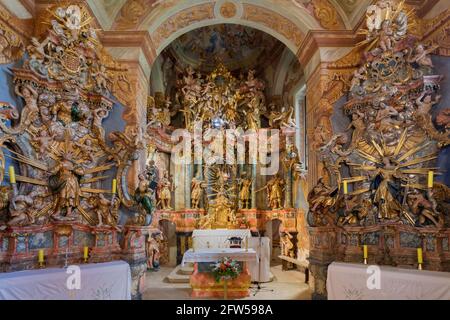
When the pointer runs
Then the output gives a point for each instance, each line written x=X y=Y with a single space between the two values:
x=380 y=199
x=64 y=171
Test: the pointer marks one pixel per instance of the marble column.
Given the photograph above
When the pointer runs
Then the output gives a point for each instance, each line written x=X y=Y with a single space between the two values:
x=288 y=189
x=187 y=188
x=199 y=175
x=253 y=186
x=135 y=114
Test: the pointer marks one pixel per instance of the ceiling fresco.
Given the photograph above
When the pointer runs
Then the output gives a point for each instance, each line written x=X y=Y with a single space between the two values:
x=236 y=46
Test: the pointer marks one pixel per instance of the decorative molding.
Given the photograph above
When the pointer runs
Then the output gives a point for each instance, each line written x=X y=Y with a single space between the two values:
x=133 y=39
x=321 y=38
x=327 y=15
x=274 y=21
x=11 y=45
x=227 y=9
x=182 y=20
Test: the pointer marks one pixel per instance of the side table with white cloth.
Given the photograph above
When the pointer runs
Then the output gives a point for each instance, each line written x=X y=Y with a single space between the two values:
x=350 y=281
x=101 y=281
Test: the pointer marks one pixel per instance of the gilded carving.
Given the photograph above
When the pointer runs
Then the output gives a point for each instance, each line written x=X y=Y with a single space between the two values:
x=327 y=15
x=394 y=143
x=11 y=45
x=65 y=86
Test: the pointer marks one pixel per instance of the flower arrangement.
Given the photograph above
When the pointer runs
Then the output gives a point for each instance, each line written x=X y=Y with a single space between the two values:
x=226 y=269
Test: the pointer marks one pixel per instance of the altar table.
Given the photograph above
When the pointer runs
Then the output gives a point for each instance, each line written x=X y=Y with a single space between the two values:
x=202 y=281
x=217 y=238
x=101 y=281
x=348 y=281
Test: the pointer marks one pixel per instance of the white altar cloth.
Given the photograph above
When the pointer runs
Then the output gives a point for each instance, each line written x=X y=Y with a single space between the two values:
x=217 y=238
x=213 y=255
x=101 y=281
x=348 y=281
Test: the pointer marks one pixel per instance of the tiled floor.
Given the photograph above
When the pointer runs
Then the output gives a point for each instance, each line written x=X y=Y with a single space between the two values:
x=287 y=285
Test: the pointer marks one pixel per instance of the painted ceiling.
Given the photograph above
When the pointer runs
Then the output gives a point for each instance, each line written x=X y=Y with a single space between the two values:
x=236 y=46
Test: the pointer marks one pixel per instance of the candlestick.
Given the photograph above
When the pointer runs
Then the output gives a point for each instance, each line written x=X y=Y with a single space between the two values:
x=419 y=258
x=12 y=175
x=365 y=253
x=246 y=243
x=85 y=254
x=66 y=258
x=41 y=258
x=114 y=186
x=345 y=186
x=430 y=179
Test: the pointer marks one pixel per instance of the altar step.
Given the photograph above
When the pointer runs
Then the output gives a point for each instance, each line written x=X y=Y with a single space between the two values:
x=180 y=274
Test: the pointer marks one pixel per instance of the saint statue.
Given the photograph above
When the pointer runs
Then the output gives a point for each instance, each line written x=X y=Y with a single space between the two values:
x=386 y=191
x=143 y=194
x=65 y=183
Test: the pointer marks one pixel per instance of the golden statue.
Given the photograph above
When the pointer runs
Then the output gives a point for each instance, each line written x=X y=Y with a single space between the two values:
x=165 y=191
x=388 y=206
x=275 y=192
x=222 y=213
x=64 y=182
x=244 y=193
x=197 y=187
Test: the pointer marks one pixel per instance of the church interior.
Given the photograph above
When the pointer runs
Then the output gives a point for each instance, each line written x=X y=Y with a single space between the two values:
x=224 y=149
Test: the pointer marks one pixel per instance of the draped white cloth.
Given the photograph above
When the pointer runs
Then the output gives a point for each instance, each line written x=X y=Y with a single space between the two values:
x=217 y=238
x=347 y=281
x=213 y=255
x=260 y=269
x=102 y=281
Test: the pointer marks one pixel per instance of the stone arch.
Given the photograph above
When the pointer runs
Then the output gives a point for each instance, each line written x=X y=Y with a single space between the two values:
x=287 y=28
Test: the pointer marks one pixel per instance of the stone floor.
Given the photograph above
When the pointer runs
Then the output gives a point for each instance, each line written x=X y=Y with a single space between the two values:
x=287 y=285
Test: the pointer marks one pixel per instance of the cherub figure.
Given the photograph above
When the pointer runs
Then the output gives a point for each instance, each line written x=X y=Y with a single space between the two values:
x=43 y=141
x=386 y=36
x=97 y=127
x=287 y=245
x=30 y=112
x=421 y=56
x=88 y=149
x=425 y=105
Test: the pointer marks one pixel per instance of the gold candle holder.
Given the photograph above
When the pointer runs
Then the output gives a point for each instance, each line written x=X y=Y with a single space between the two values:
x=41 y=260
x=85 y=254
x=419 y=258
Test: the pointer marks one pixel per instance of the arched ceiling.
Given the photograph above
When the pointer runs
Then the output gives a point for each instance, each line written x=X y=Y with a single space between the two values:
x=301 y=25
